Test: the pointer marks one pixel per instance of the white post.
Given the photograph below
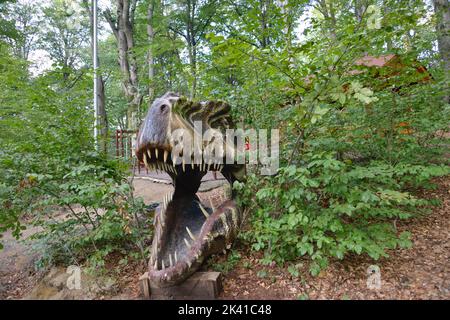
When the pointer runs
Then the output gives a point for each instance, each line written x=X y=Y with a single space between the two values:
x=95 y=63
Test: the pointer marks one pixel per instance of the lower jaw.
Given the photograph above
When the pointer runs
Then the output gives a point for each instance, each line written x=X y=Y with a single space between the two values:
x=208 y=243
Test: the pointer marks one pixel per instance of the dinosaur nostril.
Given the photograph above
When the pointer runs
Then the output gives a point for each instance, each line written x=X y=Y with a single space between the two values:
x=163 y=107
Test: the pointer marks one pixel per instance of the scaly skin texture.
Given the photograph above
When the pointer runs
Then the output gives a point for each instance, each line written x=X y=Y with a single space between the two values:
x=186 y=231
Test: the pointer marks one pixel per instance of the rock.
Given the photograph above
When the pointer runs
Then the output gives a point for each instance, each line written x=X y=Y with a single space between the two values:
x=58 y=280
x=54 y=287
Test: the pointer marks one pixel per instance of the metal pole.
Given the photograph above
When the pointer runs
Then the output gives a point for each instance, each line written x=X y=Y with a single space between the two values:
x=95 y=63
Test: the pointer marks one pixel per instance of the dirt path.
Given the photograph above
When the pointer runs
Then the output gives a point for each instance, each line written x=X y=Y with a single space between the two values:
x=16 y=265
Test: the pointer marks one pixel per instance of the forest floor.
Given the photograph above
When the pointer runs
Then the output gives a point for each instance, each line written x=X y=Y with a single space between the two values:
x=421 y=272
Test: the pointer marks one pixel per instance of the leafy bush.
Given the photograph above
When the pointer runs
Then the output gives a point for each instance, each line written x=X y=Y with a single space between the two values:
x=100 y=217
x=48 y=163
x=328 y=208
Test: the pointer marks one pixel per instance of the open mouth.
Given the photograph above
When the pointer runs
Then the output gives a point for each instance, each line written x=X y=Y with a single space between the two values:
x=186 y=230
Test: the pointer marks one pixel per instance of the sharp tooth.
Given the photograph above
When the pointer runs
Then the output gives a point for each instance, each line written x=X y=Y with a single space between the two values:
x=205 y=213
x=166 y=153
x=187 y=243
x=163 y=266
x=184 y=166
x=176 y=258
x=154 y=253
x=190 y=233
x=145 y=160
x=149 y=153
x=224 y=221
x=220 y=168
x=234 y=217
x=192 y=164
x=174 y=160
x=170 y=259
x=163 y=220
x=156 y=153
x=156 y=265
x=211 y=203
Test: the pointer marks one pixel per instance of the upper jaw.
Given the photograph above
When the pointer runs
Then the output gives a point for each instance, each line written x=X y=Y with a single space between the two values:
x=159 y=157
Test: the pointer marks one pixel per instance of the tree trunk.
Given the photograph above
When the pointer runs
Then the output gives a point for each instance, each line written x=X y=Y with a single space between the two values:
x=329 y=15
x=150 y=58
x=102 y=115
x=442 y=11
x=263 y=22
x=122 y=27
x=387 y=10
x=360 y=8
x=192 y=50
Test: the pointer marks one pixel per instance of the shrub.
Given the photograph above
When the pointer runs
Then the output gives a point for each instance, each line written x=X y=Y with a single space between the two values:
x=328 y=208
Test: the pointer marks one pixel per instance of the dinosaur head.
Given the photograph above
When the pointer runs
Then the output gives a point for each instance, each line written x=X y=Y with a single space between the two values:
x=186 y=230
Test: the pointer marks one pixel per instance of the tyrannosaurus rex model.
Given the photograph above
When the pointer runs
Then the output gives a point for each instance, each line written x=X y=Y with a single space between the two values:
x=186 y=231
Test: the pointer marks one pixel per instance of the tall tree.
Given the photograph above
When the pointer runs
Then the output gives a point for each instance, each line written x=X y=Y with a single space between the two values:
x=360 y=6
x=64 y=35
x=191 y=18
x=442 y=11
x=7 y=28
x=27 y=22
x=122 y=25
x=153 y=6
x=328 y=9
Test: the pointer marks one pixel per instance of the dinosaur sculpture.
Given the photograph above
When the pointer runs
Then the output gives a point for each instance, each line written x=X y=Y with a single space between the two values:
x=186 y=231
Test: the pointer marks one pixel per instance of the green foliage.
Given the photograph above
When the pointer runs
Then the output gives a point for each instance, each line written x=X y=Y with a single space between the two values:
x=226 y=266
x=99 y=215
x=327 y=208
x=357 y=140
x=48 y=164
